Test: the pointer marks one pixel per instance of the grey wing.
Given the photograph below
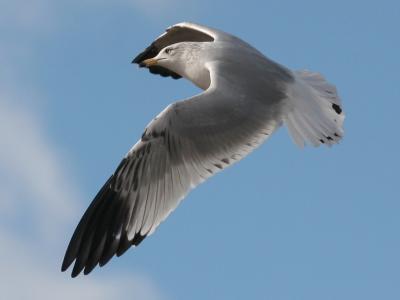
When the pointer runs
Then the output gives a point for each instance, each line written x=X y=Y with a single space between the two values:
x=145 y=186
x=184 y=145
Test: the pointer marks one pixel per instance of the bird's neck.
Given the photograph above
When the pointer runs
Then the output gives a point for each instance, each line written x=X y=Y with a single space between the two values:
x=196 y=72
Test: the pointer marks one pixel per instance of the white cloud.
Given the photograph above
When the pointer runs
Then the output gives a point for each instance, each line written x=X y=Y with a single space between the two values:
x=32 y=170
x=26 y=274
x=38 y=200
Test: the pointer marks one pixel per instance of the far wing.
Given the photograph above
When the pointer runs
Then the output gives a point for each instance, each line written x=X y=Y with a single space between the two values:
x=182 y=32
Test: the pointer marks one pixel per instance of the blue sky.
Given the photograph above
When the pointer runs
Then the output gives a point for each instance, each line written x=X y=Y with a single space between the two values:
x=283 y=224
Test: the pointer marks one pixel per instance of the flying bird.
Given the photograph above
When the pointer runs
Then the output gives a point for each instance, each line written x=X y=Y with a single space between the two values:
x=246 y=97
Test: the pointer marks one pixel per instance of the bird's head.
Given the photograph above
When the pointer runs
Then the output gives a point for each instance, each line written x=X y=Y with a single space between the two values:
x=170 y=57
x=185 y=59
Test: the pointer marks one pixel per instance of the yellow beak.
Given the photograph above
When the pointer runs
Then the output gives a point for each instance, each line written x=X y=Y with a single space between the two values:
x=149 y=62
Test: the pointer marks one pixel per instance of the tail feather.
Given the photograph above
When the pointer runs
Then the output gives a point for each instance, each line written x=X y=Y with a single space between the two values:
x=314 y=113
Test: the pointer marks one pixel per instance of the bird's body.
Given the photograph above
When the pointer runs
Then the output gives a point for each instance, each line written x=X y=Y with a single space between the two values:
x=246 y=98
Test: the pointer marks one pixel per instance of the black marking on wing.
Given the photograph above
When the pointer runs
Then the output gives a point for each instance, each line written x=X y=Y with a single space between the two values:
x=337 y=108
x=101 y=233
x=164 y=72
x=219 y=166
x=225 y=160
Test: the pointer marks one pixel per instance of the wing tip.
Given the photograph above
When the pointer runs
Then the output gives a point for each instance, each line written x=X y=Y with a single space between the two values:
x=88 y=266
x=68 y=259
x=78 y=267
x=64 y=267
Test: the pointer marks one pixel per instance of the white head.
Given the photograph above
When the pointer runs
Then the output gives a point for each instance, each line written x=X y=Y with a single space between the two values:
x=186 y=59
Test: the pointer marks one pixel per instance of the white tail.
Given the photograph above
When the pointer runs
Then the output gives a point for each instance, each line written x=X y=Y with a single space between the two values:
x=314 y=113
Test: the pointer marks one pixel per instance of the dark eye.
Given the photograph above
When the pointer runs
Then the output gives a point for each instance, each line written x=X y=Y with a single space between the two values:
x=168 y=50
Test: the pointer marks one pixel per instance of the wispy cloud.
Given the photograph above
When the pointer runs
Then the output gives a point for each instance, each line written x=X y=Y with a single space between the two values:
x=31 y=169
x=38 y=200
x=26 y=274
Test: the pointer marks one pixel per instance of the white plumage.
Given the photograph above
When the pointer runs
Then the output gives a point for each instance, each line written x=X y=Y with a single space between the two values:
x=314 y=110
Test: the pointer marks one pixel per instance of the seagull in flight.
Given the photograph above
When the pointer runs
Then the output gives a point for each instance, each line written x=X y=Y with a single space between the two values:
x=246 y=97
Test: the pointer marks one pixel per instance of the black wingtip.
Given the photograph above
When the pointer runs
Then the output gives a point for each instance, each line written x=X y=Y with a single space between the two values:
x=147 y=53
x=124 y=245
x=110 y=249
x=135 y=60
x=105 y=260
x=67 y=261
x=89 y=269
x=76 y=270
x=64 y=267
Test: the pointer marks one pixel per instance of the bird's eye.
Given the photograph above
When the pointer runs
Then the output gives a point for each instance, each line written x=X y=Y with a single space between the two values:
x=168 y=50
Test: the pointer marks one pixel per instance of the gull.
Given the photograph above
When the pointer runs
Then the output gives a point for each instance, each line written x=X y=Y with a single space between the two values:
x=246 y=97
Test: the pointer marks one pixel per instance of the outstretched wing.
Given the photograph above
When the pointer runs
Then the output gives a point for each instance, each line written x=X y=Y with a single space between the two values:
x=182 y=32
x=184 y=145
